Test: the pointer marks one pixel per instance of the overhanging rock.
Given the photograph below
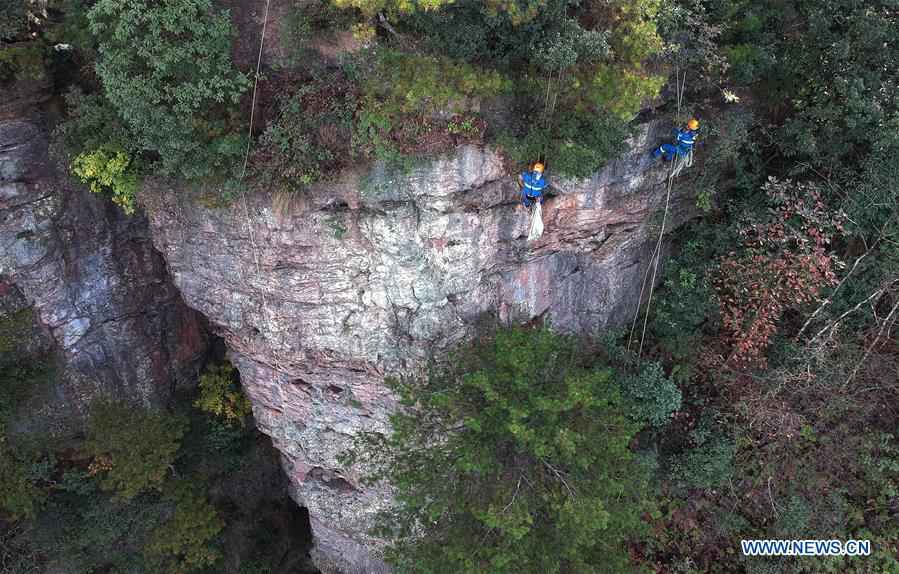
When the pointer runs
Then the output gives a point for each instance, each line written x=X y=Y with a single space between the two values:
x=321 y=296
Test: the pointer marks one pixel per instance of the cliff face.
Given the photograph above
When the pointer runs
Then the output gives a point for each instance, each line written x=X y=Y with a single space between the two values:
x=319 y=298
x=99 y=289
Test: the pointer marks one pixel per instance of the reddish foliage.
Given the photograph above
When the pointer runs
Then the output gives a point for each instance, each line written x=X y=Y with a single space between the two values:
x=785 y=263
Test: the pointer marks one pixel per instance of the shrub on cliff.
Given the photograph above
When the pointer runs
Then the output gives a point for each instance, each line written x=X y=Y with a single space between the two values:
x=578 y=144
x=133 y=457
x=513 y=459
x=166 y=69
x=109 y=170
x=403 y=94
x=415 y=83
x=221 y=395
x=23 y=61
x=311 y=136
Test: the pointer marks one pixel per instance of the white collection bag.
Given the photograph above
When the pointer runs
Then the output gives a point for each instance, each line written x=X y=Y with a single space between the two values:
x=536 y=227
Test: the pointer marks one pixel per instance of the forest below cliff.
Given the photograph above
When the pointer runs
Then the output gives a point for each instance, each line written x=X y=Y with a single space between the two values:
x=754 y=396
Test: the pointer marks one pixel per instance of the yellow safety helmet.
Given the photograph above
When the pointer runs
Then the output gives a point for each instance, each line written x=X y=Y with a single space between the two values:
x=693 y=124
x=538 y=167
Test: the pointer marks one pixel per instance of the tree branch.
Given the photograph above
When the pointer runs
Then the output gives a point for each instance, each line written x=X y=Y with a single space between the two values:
x=888 y=321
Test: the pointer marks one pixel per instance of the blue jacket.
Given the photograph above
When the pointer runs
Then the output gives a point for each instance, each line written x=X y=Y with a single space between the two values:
x=685 y=138
x=533 y=187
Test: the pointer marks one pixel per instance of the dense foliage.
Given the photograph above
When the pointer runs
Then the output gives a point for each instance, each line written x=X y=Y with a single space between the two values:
x=111 y=171
x=135 y=457
x=571 y=74
x=23 y=371
x=781 y=308
x=13 y=19
x=311 y=136
x=165 y=66
x=19 y=497
x=181 y=544
x=579 y=70
x=785 y=262
x=764 y=404
x=146 y=493
x=514 y=458
x=220 y=395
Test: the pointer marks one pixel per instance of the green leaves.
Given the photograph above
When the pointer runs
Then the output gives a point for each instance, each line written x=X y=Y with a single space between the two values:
x=654 y=396
x=577 y=143
x=424 y=84
x=135 y=457
x=13 y=19
x=109 y=170
x=183 y=543
x=165 y=68
x=512 y=458
x=19 y=496
x=221 y=395
x=310 y=137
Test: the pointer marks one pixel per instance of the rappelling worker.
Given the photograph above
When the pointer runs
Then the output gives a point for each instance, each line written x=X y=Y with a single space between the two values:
x=684 y=139
x=532 y=185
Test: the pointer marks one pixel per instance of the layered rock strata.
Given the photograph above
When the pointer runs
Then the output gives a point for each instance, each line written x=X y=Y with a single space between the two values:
x=321 y=296
x=98 y=287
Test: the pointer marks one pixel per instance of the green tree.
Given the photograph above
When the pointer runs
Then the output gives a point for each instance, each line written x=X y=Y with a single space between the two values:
x=221 y=396
x=166 y=69
x=183 y=543
x=512 y=459
x=827 y=69
x=91 y=124
x=414 y=83
x=622 y=85
x=109 y=170
x=577 y=144
x=520 y=10
x=23 y=61
x=23 y=367
x=654 y=396
x=19 y=496
x=136 y=456
x=841 y=76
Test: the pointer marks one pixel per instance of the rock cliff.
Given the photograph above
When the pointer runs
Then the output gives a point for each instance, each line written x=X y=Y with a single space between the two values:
x=318 y=298
x=98 y=287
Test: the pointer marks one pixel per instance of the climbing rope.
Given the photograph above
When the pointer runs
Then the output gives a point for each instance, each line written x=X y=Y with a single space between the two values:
x=673 y=171
x=658 y=256
x=549 y=107
x=535 y=227
x=246 y=160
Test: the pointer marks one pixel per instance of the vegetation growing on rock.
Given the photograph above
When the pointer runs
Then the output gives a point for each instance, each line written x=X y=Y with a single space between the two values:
x=109 y=171
x=166 y=69
x=221 y=396
x=513 y=458
x=764 y=400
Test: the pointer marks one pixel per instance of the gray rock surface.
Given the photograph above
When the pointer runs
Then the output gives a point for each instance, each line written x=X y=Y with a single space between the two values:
x=96 y=284
x=318 y=298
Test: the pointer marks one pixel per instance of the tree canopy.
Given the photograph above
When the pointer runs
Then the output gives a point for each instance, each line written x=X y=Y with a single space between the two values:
x=135 y=457
x=514 y=458
x=166 y=67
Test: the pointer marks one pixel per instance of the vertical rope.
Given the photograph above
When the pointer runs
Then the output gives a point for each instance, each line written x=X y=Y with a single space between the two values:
x=255 y=87
x=657 y=252
x=655 y=269
x=246 y=160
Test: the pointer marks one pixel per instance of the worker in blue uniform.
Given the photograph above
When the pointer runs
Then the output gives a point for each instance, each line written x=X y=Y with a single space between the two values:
x=532 y=185
x=684 y=140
